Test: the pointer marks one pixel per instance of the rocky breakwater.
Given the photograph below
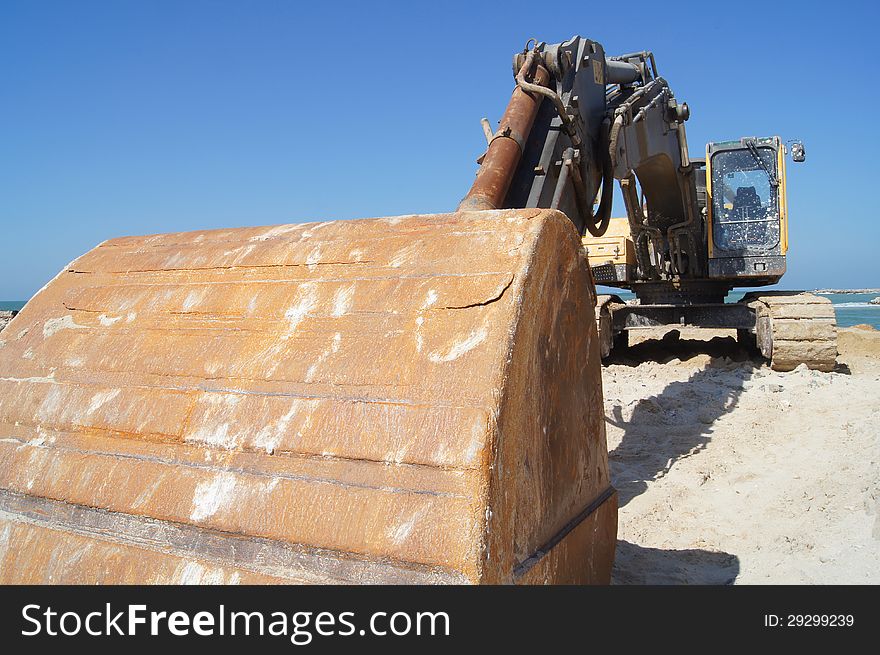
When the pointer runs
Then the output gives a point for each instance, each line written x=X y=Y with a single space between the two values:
x=5 y=317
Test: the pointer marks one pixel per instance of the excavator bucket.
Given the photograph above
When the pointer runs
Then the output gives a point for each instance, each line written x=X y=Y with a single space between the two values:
x=393 y=400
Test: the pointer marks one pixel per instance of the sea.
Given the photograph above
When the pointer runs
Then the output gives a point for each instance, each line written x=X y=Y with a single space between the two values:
x=851 y=308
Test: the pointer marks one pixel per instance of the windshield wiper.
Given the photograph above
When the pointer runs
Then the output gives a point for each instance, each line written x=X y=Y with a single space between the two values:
x=752 y=149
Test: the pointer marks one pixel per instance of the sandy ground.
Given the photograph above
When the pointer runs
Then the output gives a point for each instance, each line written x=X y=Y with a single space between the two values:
x=729 y=472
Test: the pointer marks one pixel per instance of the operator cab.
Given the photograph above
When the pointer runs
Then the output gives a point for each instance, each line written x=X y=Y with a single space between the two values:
x=745 y=209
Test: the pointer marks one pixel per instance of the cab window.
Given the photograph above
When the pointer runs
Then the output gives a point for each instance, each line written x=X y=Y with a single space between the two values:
x=745 y=212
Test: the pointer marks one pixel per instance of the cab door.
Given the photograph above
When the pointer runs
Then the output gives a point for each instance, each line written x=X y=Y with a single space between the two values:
x=745 y=207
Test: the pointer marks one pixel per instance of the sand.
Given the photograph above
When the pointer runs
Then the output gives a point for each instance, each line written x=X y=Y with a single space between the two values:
x=729 y=472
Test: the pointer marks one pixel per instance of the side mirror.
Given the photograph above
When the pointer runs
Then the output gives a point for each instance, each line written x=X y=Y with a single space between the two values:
x=798 y=153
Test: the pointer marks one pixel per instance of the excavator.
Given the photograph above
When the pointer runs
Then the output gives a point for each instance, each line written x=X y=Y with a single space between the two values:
x=413 y=399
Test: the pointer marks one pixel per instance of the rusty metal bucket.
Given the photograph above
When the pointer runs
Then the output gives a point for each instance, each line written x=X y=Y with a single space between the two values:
x=412 y=400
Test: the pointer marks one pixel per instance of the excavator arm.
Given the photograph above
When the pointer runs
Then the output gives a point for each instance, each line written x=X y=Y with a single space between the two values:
x=577 y=121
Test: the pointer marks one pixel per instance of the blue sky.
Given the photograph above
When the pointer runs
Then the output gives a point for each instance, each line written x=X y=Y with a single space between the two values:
x=140 y=117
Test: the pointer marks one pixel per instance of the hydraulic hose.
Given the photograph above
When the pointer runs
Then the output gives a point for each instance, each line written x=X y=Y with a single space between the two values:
x=597 y=223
